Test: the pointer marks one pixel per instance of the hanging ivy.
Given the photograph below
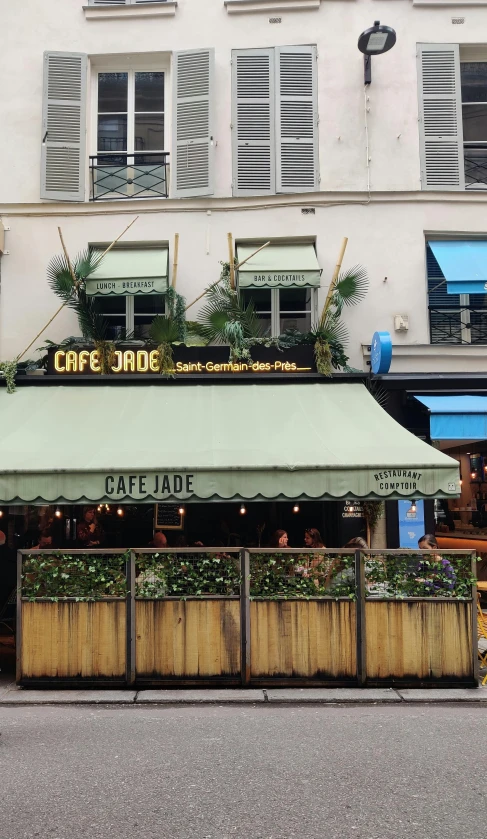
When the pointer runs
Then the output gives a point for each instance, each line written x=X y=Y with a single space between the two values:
x=9 y=371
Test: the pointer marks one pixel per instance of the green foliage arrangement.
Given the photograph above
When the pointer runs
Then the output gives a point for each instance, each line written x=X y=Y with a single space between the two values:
x=349 y=289
x=225 y=319
x=58 y=576
x=9 y=372
x=187 y=575
x=302 y=575
x=416 y=575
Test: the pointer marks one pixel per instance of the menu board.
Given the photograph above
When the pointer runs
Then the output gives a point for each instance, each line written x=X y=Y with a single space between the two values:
x=168 y=517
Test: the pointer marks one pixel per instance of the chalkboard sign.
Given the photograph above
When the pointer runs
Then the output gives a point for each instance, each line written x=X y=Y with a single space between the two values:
x=168 y=517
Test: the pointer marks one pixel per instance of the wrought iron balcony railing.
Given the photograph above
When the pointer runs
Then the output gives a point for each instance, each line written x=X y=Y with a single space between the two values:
x=462 y=325
x=475 y=161
x=116 y=175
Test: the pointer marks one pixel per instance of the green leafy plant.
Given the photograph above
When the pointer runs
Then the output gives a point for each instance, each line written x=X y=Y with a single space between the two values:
x=418 y=575
x=301 y=575
x=225 y=319
x=57 y=576
x=349 y=289
x=187 y=575
x=9 y=372
x=94 y=327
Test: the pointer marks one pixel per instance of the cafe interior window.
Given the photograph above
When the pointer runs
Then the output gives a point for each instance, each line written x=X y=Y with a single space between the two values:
x=281 y=309
x=130 y=316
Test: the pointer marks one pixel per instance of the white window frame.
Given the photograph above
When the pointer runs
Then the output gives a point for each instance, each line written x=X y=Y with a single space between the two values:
x=130 y=311
x=160 y=63
x=276 y=309
x=472 y=144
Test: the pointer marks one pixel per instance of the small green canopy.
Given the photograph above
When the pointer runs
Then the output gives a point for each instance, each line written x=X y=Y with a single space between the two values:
x=286 y=266
x=107 y=443
x=130 y=271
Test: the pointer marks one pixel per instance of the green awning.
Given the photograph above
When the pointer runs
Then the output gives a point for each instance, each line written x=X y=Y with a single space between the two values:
x=287 y=266
x=200 y=442
x=130 y=271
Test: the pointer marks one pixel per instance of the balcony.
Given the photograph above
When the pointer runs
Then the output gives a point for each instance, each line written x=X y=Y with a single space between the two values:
x=116 y=176
x=475 y=160
x=465 y=325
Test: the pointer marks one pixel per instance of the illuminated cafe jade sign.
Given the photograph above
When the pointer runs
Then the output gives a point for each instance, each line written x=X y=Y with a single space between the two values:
x=196 y=361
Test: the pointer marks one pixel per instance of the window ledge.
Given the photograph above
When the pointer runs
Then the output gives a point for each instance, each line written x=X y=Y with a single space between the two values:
x=449 y=3
x=133 y=10
x=242 y=6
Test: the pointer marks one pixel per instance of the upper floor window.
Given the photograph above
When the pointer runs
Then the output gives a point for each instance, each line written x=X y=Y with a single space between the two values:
x=474 y=113
x=275 y=120
x=130 y=119
x=454 y=318
x=129 y=144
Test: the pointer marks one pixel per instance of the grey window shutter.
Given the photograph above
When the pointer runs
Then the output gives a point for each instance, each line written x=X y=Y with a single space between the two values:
x=64 y=126
x=253 y=122
x=192 y=148
x=296 y=119
x=440 y=117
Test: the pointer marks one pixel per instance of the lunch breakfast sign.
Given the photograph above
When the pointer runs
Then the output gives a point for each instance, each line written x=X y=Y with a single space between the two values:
x=137 y=360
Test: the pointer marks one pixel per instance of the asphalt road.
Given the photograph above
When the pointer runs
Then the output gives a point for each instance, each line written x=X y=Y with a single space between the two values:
x=260 y=772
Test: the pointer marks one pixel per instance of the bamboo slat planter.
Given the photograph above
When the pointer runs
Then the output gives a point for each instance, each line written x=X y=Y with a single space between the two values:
x=310 y=640
x=73 y=641
x=235 y=639
x=418 y=642
x=187 y=640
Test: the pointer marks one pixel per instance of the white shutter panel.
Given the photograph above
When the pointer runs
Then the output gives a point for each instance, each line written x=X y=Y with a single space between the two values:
x=440 y=117
x=253 y=122
x=64 y=126
x=296 y=119
x=192 y=148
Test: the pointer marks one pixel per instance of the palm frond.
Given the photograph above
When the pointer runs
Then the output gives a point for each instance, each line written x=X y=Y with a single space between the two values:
x=379 y=392
x=331 y=328
x=351 y=287
x=163 y=330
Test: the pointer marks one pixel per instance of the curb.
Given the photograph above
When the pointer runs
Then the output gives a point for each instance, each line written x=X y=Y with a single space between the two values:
x=270 y=696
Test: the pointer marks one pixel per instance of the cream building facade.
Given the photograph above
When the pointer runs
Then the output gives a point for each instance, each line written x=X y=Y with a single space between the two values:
x=204 y=117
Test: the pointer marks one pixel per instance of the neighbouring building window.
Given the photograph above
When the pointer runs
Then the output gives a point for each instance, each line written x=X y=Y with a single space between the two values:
x=130 y=161
x=454 y=318
x=474 y=112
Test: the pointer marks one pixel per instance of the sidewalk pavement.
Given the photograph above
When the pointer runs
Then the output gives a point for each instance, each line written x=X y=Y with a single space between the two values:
x=10 y=694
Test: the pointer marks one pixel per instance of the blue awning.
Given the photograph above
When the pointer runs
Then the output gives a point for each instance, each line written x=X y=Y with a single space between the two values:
x=456 y=417
x=464 y=265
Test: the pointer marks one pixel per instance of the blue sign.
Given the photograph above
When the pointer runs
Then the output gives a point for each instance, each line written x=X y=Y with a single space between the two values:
x=381 y=352
x=411 y=523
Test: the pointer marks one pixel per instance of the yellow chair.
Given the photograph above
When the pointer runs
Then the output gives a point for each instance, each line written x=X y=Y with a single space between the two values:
x=482 y=639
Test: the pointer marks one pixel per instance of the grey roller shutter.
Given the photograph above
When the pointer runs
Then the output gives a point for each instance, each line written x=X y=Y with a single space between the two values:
x=253 y=122
x=440 y=117
x=296 y=119
x=192 y=148
x=64 y=126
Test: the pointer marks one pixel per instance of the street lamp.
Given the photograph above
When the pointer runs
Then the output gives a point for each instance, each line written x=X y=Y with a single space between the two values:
x=375 y=41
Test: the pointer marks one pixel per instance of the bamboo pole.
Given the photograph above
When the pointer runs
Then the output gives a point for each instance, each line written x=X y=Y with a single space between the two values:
x=75 y=281
x=231 y=259
x=175 y=260
x=201 y=295
x=251 y=255
x=66 y=254
x=218 y=281
x=116 y=240
x=335 y=277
